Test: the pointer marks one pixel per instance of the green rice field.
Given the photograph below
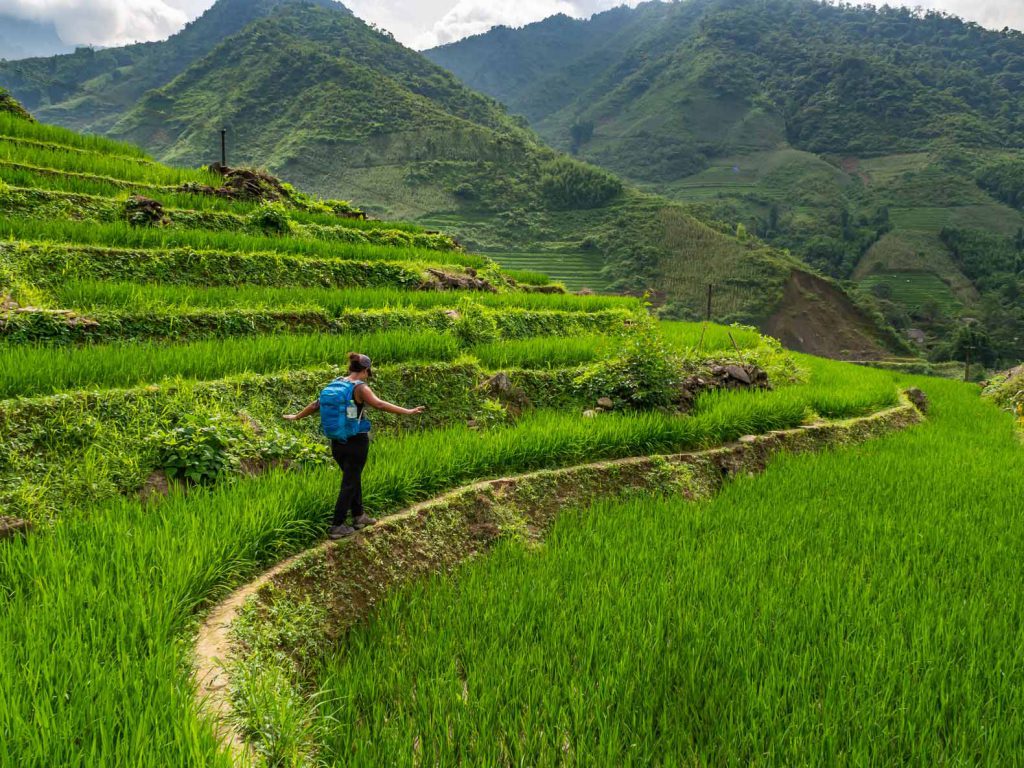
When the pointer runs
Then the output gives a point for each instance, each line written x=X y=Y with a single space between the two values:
x=573 y=270
x=872 y=623
x=855 y=607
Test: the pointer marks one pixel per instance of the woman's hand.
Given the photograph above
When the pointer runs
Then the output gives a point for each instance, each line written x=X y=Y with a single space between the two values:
x=291 y=417
x=415 y=411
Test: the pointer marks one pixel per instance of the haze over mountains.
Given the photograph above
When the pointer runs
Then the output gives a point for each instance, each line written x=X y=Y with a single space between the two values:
x=738 y=111
x=22 y=38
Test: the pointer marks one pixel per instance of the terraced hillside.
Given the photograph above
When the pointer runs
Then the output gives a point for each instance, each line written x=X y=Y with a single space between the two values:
x=342 y=109
x=147 y=353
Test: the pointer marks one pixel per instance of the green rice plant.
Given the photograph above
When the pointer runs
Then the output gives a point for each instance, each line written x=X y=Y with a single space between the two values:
x=95 y=614
x=119 y=190
x=124 y=235
x=103 y=166
x=542 y=352
x=811 y=612
x=708 y=337
x=32 y=370
x=13 y=127
x=527 y=277
x=91 y=295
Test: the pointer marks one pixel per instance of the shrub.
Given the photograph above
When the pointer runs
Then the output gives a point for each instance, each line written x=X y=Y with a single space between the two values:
x=199 y=450
x=567 y=183
x=272 y=218
x=642 y=374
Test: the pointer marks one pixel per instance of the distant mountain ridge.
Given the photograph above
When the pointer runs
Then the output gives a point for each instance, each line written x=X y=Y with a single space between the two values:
x=89 y=89
x=862 y=140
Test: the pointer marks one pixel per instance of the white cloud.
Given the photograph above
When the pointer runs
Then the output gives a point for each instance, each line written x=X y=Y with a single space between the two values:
x=994 y=14
x=102 y=22
x=471 y=17
x=417 y=23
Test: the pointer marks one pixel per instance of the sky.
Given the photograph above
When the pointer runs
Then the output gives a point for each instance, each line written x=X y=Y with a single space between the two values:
x=417 y=23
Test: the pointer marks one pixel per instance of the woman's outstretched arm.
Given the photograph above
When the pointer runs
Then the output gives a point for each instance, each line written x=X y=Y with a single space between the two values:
x=307 y=411
x=370 y=399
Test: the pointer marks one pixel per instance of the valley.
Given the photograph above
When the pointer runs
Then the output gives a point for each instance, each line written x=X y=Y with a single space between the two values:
x=596 y=526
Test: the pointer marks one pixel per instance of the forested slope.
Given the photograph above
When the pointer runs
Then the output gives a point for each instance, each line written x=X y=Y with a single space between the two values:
x=326 y=101
x=862 y=140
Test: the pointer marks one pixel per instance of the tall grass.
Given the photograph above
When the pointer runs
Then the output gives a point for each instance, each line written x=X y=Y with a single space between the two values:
x=86 y=295
x=11 y=126
x=95 y=615
x=102 y=165
x=30 y=371
x=708 y=337
x=543 y=352
x=123 y=235
x=854 y=607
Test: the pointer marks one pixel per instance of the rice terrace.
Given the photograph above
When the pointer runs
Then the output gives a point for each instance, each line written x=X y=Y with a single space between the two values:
x=694 y=364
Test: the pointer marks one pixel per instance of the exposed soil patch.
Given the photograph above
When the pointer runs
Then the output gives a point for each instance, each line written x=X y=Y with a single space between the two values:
x=817 y=318
x=453 y=281
x=11 y=527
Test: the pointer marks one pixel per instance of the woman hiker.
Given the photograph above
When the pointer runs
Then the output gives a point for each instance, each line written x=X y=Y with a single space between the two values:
x=351 y=453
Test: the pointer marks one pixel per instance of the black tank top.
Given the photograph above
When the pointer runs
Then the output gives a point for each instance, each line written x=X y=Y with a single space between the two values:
x=360 y=407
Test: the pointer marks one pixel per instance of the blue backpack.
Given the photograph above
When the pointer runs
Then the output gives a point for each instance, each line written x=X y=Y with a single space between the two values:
x=339 y=412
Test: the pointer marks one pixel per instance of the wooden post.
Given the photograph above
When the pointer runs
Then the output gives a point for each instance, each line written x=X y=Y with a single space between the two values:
x=710 y=291
x=224 y=147
x=967 y=364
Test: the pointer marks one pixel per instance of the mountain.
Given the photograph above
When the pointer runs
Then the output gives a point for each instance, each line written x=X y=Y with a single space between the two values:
x=23 y=38
x=852 y=137
x=89 y=89
x=324 y=100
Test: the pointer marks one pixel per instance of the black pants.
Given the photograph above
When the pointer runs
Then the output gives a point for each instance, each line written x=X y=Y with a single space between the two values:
x=351 y=457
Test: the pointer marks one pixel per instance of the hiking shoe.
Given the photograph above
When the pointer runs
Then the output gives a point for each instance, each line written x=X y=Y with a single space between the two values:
x=364 y=521
x=336 y=532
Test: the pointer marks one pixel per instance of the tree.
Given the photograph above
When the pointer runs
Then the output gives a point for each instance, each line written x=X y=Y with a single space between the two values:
x=581 y=132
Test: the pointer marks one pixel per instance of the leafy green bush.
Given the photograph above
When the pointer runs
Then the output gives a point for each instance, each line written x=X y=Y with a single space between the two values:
x=569 y=184
x=200 y=449
x=272 y=218
x=642 y=374
x=475 y=325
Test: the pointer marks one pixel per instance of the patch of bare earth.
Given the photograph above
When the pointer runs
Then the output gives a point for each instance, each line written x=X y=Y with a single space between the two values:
x=817 y=318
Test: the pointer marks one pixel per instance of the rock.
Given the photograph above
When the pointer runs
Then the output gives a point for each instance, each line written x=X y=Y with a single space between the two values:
x=584 y=292
x=918 y=398
x=453 y=314
x=543 y=289
x=249 y=422
x=605 y=402
x=13 y=526
x=453 y=281
x=501 y=388
x=145 y=212
x=157 y=485
x=249 y=184
x=748 y=439
x=498 y=384
x=738 y=373
x=590 y=414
